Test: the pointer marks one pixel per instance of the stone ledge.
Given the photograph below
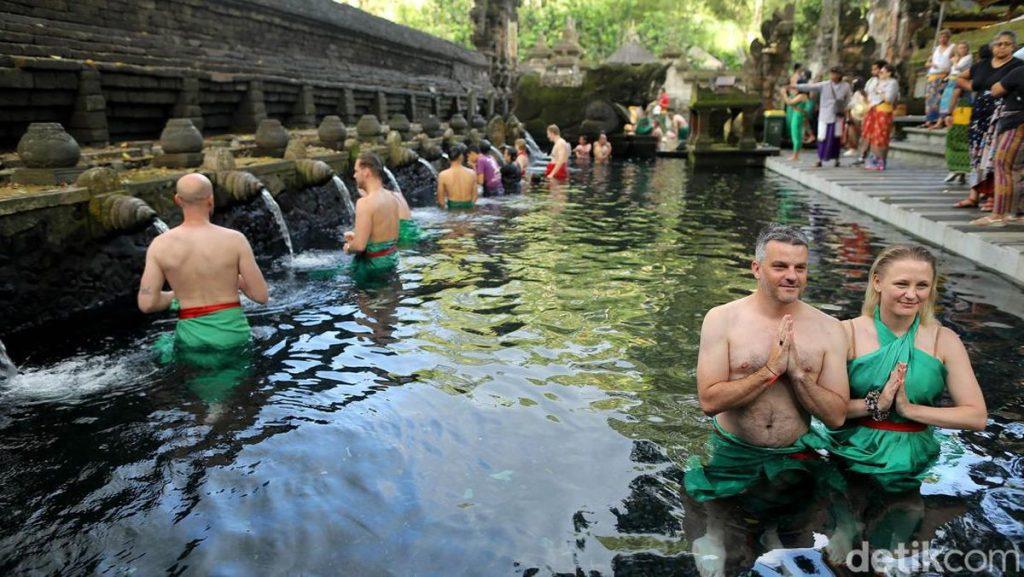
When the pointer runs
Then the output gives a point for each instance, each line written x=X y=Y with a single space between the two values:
x=1004 y=260
x=46 y=199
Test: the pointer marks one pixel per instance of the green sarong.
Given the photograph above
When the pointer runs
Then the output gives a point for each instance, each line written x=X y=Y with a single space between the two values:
x=644 y=126
x=378 y=261
x=213 y=349
x=409 y=232
x=897 y=459
x=958 y=156
x=795 y=115
x=768 y=474
x=459 y=204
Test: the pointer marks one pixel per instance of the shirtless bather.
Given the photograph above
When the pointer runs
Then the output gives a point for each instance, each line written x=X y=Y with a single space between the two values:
x=767 y=362
x=558 y=168
x=456 y=185
x=373 y=242
x=206 y=266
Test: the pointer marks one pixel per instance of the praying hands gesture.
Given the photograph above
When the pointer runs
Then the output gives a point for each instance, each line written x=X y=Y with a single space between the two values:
x=778 y=359
x=893 y=389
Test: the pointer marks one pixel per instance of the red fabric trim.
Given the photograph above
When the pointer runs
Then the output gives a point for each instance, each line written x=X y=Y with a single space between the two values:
x=903 y=427
x=379 y=253
x=194 y=312
x=562 y=174
x=807 y=455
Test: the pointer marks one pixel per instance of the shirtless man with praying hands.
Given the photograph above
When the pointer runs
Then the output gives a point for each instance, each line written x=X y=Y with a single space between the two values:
x=766 y=363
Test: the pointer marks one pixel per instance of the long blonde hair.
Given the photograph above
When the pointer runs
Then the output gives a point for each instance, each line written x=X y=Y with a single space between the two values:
x=896 y=253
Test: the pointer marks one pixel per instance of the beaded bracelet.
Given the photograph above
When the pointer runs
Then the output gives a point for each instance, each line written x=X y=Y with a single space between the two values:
x=871 y=400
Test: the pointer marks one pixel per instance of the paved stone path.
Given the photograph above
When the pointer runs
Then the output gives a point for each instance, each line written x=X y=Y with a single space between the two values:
x=915 y=200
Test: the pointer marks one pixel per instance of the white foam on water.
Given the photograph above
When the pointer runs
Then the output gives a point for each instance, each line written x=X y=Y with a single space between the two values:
x=76 y=378
x=160 y=226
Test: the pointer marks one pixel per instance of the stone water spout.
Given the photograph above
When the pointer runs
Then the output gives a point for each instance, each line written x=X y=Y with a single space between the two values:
x=121 y=213
x=427 y=147
x=398 y=154
x=313 y=172
x=235 y=186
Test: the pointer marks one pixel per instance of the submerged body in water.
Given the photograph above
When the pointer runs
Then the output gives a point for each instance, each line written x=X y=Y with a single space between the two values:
x=374 y=240
x=517 y=401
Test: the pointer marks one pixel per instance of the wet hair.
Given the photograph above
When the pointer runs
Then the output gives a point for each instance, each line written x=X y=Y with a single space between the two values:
x=1008 y=33
x=473 y=149
x=780 y=233
x=897 y=253
x=553 y=128
x=372 y=161
x=485 y=146
x=458 y=150
x=520 y=144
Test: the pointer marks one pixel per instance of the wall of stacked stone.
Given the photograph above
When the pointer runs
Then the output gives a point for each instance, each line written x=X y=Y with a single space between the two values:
x=114 y=70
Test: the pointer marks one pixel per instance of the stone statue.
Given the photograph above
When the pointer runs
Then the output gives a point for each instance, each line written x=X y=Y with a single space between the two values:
x=769 y=56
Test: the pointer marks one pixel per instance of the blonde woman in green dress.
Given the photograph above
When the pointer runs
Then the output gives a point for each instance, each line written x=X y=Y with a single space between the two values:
x=798 y=106
x=901 y=363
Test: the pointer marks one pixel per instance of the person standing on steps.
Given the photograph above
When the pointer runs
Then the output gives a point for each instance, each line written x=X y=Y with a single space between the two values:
x=834 y=93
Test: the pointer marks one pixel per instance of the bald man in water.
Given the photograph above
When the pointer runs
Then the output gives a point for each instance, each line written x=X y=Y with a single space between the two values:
x=206 y=266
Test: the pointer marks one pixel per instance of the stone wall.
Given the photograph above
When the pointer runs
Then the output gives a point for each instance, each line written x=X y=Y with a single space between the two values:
x=115 y=70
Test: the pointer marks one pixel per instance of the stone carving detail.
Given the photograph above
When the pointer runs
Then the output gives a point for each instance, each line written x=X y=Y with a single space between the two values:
x=332 y=132
x=313 y=172
x=458 y=124
x=271 y=138
x=180 y=135
x=47 y=145
x=368 y=129
x=770 y=55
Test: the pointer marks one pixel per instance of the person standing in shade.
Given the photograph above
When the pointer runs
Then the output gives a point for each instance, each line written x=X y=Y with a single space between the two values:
x=374 y=240
x=980 y=134
x=878 y=123
x=1009 y=151
x=511 y=176
x=488 y=174
x=939 y=65
x=834 y=93
x=558 y=168
x=798 y=106
x=602 y=149
x=456 y=185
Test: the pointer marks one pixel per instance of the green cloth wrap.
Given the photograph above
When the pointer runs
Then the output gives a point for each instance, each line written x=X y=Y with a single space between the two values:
x=367 y=269
x=735 y=467
x=897 y=460
x=408 y=232
x=459 y=204
x=795 y=115
x=214 y=349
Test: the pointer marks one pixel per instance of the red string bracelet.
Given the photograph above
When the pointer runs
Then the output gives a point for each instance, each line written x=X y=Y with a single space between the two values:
x=774 y=378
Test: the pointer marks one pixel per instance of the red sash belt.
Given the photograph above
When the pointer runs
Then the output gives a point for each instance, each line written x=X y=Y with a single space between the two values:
x=194 y=312
x=887 y=425
x=380 y=253
x=805 y=455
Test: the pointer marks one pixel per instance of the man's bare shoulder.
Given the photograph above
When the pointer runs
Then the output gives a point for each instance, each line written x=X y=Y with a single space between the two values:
x=724 y=313
x=819 y=317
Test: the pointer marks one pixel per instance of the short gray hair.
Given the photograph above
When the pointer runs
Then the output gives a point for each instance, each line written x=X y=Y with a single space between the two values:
x=781 y=233
x=1009 y=33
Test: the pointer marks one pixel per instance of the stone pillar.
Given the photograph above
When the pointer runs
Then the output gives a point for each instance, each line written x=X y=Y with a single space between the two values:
x=89 y=120
x=381 y=105
x=347 y=105
x=435 y=103
x=505 y=108
x=456 y=105
x=747 y=140
x=490 y=105
x=187 y=105
x=474 y=107
x=304 y=111
x=251 y=110
x=410 y=107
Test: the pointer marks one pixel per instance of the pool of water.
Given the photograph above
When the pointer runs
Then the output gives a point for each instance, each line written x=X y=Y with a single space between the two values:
x=522 y=402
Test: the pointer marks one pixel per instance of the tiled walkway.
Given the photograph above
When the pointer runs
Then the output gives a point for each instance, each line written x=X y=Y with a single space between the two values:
x=917 y=201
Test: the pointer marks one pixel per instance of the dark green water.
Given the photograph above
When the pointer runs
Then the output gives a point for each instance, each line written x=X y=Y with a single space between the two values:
x=521 y=403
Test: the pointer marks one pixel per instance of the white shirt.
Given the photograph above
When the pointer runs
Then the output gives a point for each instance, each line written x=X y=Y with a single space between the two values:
x=884 y=91
x=941 y=59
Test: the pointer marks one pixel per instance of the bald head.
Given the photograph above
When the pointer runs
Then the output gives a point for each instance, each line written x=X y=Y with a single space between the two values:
x=194 y=188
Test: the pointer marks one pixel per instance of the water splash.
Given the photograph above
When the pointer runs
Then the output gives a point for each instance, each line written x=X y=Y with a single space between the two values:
x=7 y=368
x=275 y=210
x=346 y=196
x=536 y=154
x=391 y=180
x=160 y=226
x=429 y=166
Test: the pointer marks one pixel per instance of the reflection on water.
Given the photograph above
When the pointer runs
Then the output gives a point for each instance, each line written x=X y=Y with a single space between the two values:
x=521 y=402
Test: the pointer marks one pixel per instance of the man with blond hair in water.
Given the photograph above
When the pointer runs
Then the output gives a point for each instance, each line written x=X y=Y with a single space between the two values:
x=558 y=168
x=206 y=267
